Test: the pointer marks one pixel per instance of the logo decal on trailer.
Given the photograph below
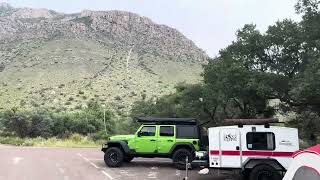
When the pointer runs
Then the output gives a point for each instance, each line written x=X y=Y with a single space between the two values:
x=230 y=137
x=285 y=143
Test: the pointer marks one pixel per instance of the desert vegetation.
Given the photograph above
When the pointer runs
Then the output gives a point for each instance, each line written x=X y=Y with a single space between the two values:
x=82 y=126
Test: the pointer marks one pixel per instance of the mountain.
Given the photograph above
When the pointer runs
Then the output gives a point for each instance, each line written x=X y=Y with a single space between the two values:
x=54 y=59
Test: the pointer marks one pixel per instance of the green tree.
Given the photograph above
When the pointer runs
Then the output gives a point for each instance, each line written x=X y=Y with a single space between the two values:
x=17 y=123
x=187 y=101
x=282 y=63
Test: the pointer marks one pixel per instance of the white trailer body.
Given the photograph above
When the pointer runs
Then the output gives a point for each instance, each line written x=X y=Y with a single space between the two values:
x=241 y=147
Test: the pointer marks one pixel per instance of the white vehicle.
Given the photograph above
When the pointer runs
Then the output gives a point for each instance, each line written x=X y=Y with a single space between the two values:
x=256 y=151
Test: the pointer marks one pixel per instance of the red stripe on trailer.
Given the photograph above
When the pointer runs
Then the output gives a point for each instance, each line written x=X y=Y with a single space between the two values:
x=282 y=154
x=252 y=153
x=231 y=153
x=214 y=152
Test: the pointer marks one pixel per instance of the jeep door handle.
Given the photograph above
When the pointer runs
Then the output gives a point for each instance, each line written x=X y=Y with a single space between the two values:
x=152 y=140
x=170 y=140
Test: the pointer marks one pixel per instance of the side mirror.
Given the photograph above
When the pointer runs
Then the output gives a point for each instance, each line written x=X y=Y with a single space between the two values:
x=139 y=134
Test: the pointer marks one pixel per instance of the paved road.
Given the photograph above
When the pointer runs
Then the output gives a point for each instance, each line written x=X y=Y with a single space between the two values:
x=39 y=163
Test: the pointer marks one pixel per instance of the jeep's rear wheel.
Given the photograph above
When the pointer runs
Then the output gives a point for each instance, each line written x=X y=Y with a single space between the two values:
x=113 y=157
x=179 y=158
x=128 y=158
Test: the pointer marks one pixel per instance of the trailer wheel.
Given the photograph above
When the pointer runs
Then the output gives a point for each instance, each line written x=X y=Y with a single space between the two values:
x=244 y=175
x=264 y=172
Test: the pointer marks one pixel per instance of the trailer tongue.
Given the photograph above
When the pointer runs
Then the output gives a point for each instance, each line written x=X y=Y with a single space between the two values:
x=251 y=147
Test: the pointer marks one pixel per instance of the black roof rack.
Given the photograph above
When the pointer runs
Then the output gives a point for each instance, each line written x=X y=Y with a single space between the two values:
x=250 y=121
x=169 y=121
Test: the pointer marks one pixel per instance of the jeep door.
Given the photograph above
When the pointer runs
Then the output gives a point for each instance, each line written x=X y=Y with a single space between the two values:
x=166 y=138
x=145 y=141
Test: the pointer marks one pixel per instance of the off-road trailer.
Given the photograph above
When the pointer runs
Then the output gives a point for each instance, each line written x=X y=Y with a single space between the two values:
x=252 y=148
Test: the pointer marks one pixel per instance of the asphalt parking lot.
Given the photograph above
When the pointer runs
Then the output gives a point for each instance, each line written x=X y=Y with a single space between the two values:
x=39 y=163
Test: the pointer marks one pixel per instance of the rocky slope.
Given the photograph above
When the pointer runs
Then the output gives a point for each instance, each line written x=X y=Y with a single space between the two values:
x=63 y=60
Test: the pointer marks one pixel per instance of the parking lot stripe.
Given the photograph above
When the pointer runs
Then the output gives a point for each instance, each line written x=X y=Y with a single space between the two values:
x=95 y=159
x=94 y=165
x=97 y=167
x=106 y=174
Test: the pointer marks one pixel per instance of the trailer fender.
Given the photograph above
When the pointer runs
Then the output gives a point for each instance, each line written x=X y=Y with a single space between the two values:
x=251 y=163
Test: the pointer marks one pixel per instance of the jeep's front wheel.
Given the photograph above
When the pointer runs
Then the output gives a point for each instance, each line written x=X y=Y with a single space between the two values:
x=113 y=157
x=179 y=158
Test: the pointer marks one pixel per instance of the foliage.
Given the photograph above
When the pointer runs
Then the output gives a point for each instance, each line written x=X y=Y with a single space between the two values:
x=186 y=102
x=282 y=63
x=236 y=91
x=44 y=123
x=308 y=124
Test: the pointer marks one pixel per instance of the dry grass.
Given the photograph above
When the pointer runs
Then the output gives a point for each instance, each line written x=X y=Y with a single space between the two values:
x=73 y=141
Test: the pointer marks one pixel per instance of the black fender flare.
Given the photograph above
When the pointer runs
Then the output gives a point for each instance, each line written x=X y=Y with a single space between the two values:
x=121 y=144
x=251 y=163
x=180 y=145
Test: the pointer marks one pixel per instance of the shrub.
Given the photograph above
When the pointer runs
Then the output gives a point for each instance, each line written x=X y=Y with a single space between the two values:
x=75 y=137
x=45 y=123
x=11 y=140
x=101 y=135
x=68 y=103
x=118 y=98
x=19 y=123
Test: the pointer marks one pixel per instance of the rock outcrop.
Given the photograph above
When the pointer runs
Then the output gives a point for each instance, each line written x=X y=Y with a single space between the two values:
x=117 y=28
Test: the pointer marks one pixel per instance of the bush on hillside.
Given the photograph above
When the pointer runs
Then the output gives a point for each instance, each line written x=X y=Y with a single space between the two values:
x=44 y=123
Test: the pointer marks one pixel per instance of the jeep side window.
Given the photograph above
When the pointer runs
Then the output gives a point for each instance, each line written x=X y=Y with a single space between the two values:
x=148 y=131
x=166 y=131
x=260 y=141
x=187 y=132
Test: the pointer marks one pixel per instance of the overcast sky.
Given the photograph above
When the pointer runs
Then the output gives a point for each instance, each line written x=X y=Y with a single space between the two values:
x=211 y=24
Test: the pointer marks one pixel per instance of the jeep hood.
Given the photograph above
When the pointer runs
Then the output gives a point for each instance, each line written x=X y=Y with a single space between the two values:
x=122 y=137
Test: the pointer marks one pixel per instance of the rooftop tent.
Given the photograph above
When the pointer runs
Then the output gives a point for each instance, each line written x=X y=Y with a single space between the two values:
x=305 y=165
x=155 y=120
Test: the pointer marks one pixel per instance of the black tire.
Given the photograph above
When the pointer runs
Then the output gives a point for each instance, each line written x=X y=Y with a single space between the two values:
x=179 y=158
x=128 y=158
x=113 y=157
x=244 y=175
x=264 y=172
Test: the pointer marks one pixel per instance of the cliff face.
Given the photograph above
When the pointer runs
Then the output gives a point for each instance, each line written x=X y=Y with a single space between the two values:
x=112 y=27
x=41 y=51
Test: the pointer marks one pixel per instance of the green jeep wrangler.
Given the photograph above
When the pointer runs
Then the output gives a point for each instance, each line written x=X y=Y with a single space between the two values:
x=174 y=138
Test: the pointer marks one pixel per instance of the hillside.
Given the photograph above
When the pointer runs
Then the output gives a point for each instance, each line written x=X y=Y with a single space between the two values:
x=62 y=60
